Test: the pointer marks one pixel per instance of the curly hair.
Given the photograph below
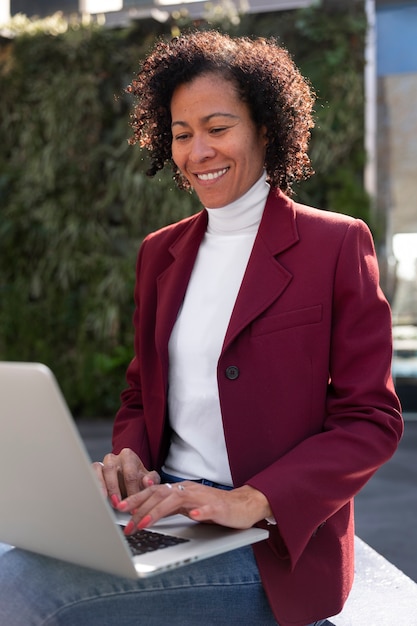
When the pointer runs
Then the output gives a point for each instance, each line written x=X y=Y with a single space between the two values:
x=267 y=80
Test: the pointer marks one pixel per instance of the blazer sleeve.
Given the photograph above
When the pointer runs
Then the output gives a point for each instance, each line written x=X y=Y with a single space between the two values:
x=362 y=423
x=129 y=428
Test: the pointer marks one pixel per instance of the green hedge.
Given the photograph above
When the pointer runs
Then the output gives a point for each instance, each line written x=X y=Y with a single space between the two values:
x=75 y=202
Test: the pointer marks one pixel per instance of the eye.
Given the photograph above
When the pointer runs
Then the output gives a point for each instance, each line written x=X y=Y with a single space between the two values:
x=181 y=137
x=218 y=129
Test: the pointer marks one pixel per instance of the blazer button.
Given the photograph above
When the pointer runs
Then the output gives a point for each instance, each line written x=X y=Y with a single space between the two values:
x=232 y=372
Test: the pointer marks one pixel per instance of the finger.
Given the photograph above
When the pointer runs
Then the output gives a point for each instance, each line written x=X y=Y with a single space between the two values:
x=204 y=514
x=136 y=477
x=111 y=471
x=98 y=470
x=133 y=478
x=238 y=508
x=143 y=500
x=152 y=504
x=151 y=478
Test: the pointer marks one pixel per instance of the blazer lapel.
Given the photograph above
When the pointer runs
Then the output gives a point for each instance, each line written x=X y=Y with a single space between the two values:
x=264 y=281
x=173 y=281
x=265 y=278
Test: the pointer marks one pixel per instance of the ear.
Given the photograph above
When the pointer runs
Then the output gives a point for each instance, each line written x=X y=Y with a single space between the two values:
x=263 y=134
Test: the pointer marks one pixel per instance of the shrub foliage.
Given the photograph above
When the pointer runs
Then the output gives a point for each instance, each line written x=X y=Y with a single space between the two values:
x=75 y=200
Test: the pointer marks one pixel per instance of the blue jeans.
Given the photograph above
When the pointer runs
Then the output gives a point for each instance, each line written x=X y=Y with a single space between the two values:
x=39 y=591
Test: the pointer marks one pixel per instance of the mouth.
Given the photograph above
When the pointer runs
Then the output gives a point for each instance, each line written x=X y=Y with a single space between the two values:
x=212 y=175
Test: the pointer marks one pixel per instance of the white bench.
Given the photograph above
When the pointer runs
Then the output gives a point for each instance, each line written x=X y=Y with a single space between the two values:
x=382 y=595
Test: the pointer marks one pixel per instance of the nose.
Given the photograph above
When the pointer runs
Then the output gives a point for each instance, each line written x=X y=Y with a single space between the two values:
x=201 y=149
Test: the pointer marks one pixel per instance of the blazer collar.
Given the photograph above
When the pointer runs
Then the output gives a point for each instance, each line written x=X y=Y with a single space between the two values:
x=172 y=282
x=277 y=229
x=265 y=278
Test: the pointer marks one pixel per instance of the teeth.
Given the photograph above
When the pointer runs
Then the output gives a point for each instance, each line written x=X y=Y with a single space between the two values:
x=212 y=175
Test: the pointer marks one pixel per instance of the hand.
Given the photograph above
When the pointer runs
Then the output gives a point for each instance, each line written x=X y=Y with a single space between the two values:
x=238 y=508
x=123 y=474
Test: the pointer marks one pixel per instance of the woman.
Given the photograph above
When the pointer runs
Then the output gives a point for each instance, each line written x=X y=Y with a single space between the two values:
x=260 y=391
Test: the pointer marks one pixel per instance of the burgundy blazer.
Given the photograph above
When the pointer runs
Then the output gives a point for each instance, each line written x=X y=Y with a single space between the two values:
x=308 y=404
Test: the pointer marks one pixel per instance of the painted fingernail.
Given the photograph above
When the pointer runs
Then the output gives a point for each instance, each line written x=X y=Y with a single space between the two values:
x=130 y=527
x=115 y=500
x=145 y=521
x=122 y=506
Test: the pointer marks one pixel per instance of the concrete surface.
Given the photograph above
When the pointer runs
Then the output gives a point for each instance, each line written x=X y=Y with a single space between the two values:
x=381 y=595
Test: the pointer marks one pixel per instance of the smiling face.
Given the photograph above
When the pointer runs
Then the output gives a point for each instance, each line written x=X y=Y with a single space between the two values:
x=215 y=143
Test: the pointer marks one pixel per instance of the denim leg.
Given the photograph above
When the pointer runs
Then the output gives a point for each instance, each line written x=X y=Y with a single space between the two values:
x=39 y=591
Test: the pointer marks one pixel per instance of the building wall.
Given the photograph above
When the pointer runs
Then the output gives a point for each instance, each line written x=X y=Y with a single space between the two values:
x=397 y=115
x=396 y=38
x=42 y=8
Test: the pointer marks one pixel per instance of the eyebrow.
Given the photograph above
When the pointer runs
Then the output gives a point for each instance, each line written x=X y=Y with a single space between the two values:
x=207 y=118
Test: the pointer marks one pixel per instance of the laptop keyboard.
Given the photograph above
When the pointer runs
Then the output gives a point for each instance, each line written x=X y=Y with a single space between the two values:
x=148 y=541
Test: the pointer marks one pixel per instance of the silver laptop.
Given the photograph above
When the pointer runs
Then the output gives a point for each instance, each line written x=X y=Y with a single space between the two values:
x=51 y=502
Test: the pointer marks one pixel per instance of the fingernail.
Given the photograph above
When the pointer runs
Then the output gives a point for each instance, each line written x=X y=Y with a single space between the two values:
x=122 y=506
x=145 y=521
x=115 y=500
x=150 y=482
x=130 y=526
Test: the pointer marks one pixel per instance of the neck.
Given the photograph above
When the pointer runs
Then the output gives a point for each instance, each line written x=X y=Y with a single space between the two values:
x=242 y=215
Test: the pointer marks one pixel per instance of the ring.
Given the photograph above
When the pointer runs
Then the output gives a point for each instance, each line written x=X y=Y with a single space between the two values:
x=168 y=485
x=181 y=488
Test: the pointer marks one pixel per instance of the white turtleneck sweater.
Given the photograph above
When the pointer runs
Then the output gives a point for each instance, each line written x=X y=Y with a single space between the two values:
x=198 y=448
